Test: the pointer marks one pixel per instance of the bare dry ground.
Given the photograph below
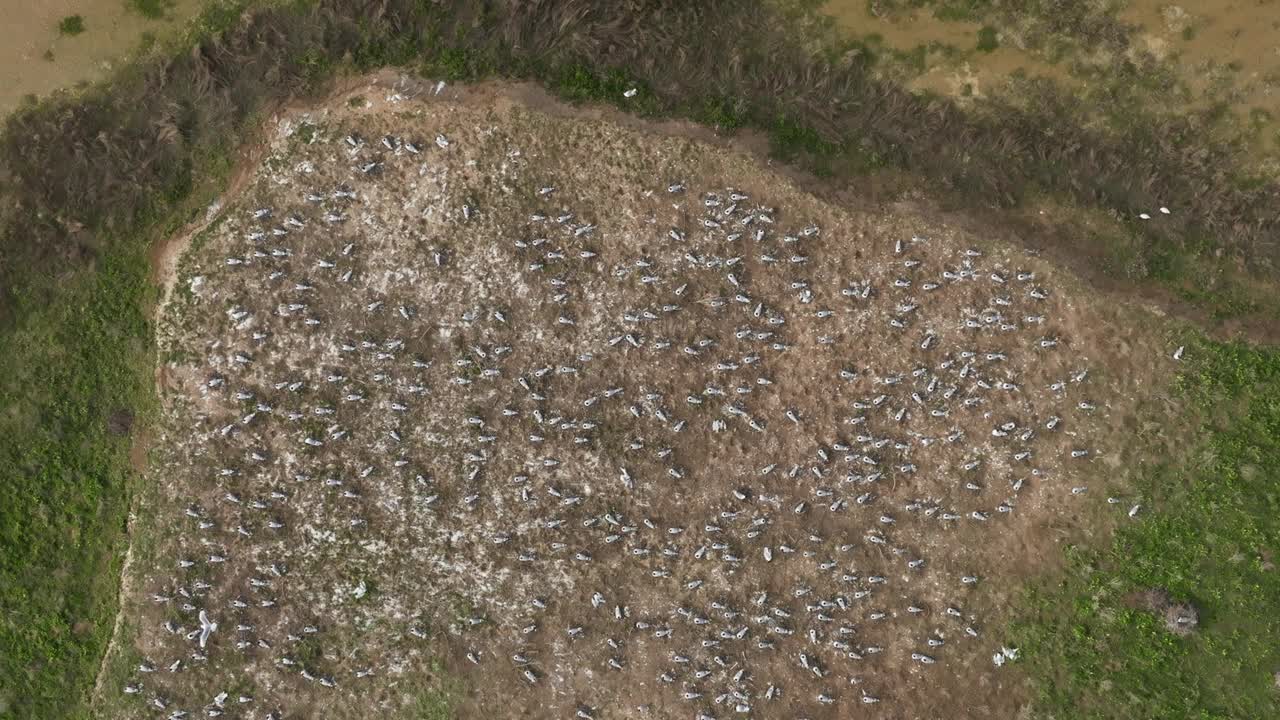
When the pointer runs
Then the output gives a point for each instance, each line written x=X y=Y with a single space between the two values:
x=35 y=59
x=475 y=408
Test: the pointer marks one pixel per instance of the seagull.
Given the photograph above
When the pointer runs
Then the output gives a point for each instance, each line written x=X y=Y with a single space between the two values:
x=207 y=626
x=630 y=93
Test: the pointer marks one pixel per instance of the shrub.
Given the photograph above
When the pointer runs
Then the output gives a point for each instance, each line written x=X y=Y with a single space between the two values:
x=988 y=39
x=71 y=25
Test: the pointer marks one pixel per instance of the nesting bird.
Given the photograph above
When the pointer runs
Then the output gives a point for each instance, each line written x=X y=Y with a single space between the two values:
x=696 y=438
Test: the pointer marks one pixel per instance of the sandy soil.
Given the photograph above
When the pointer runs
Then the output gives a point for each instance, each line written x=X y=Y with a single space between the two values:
x=35 y=59
x=965 y=80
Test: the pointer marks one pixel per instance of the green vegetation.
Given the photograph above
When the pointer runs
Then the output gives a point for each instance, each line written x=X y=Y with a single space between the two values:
x=153 y=9
x=306 y=133
x=432 y=705
x=435 y=697
x=76 y=345
x=1210 y=534
x=988 y=39
x=949 y=10
x=75 y=373
x=962 y=10
x=71 y=25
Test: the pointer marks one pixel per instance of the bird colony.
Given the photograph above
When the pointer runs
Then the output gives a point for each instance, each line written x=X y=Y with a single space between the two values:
x=592 y=424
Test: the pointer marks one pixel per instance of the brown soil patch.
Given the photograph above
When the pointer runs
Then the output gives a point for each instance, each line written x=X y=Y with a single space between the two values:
x=1226 y=50
x=952 y=66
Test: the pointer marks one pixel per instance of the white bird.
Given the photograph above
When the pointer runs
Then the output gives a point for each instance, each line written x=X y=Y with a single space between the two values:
x=207 y=626
x=1177 y=354
x=630 y=93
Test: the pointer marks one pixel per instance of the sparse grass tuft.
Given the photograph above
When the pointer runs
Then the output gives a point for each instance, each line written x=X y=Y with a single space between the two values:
x=71 y=25
x=306 y=132
x=432 y=705
x=961 y=10
x=1260 y=118
x=434 y=696
x=151 y=9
